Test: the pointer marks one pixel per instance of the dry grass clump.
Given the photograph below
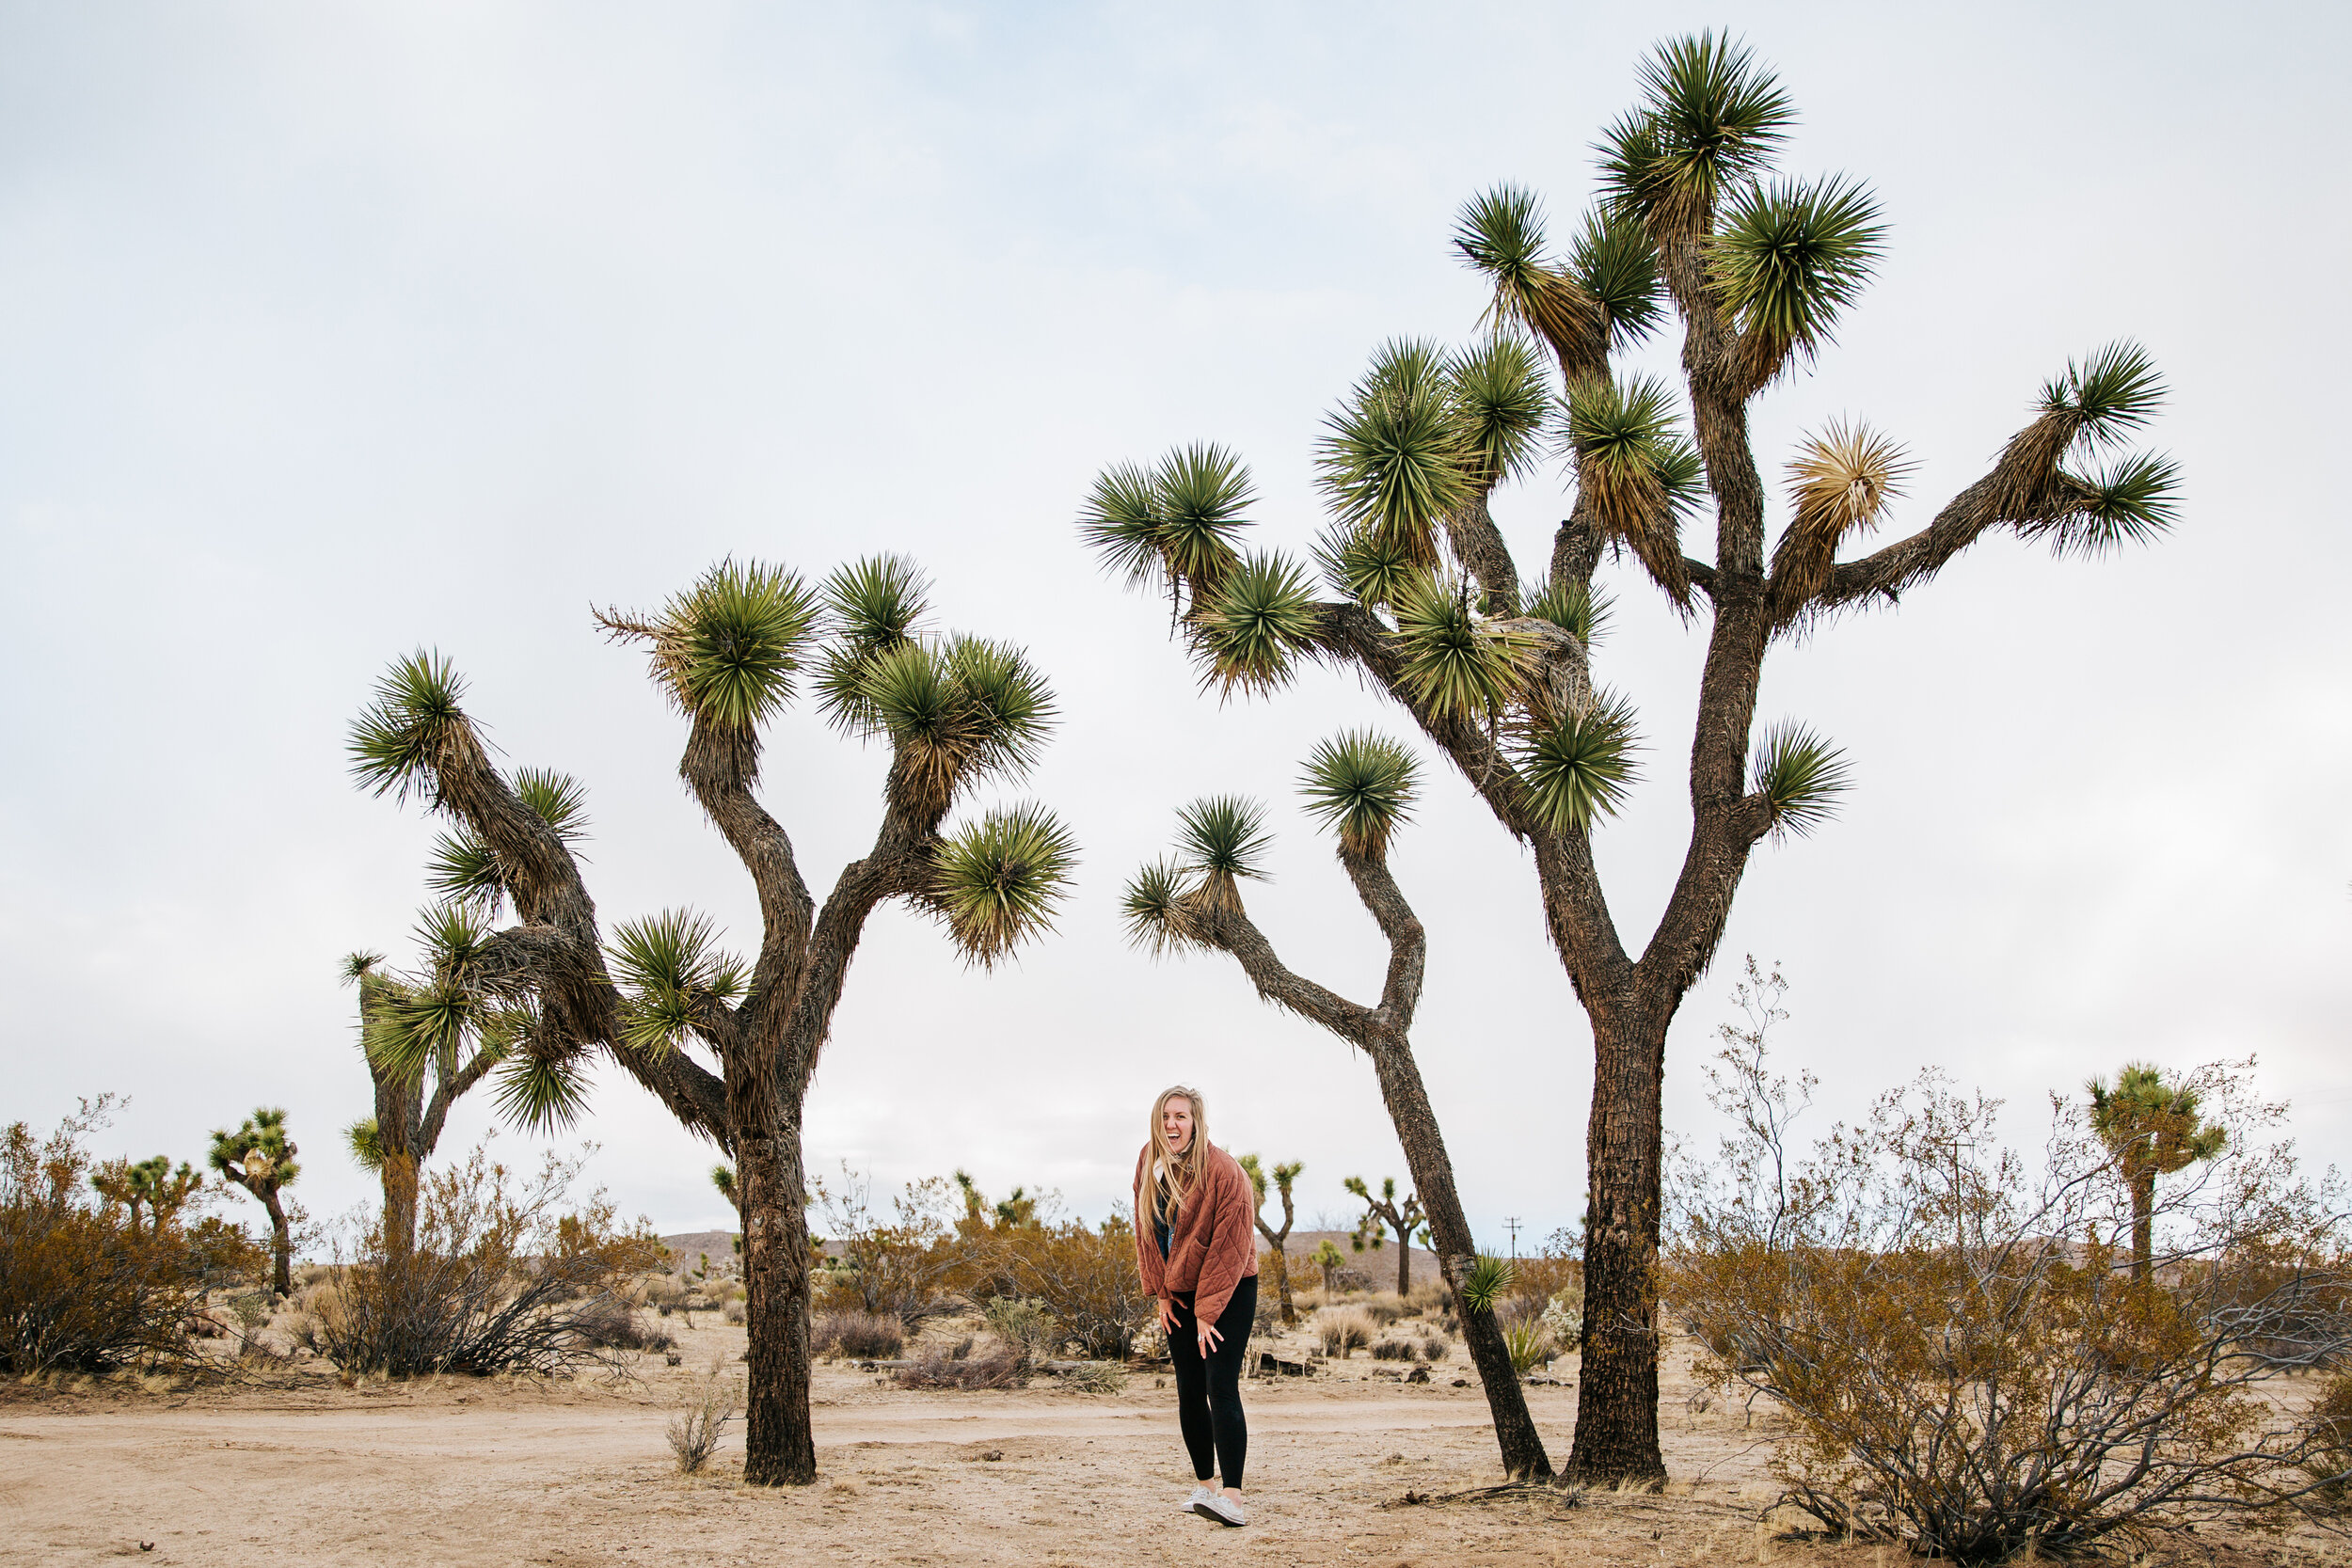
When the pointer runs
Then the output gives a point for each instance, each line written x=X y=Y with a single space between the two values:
x=1393 y=1350
x=1428 y=1298
x=997 y=1367
x=609 y=1324
x=1343 y=1330
x=1384 y=1310
x=861 y=1335
x=1096 y=1377
x=709 y=1403
x=1434 y=1348
x=735 y=1312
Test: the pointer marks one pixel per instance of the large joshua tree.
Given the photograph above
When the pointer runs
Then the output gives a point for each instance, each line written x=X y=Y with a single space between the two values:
x=728 y=652
x=413 y=1096
x=1361 y=786
x=1493 y=661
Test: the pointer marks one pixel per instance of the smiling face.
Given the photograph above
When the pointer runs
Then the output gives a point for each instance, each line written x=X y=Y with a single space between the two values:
x=1176 y=1123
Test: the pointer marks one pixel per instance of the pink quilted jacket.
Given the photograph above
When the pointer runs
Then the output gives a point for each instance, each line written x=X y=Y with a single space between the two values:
x=1212 y=1247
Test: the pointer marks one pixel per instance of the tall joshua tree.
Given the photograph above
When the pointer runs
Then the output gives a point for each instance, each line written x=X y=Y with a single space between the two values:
x=728 y=654
x=2152 y=1129
x=1493 y=663
x=1278 y=1241
x=1361 y=786
x=260 y=1157
x=1384 y=1213
x=413 y=1096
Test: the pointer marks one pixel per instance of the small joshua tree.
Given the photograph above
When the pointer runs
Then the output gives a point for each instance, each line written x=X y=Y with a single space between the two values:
x=260 y=1157
x=730 y=654
x=1277 y=1239
x=2152 y=1129
x=1361 y=786
x=1385 y=1210
x=413 y=1092
x=1329 y=1259
x=150 y=1187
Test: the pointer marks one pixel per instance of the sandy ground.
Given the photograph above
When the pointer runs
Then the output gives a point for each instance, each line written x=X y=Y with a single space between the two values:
x=466 y=1471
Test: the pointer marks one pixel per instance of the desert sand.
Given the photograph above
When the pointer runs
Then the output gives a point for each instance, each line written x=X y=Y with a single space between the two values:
x=300 y=1469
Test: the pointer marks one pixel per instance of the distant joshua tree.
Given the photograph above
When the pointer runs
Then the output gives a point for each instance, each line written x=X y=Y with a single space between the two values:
x=1361 y=786
x=2151 y=1127
x=1384 y=1211
x=413 y=1095
x=1277 y=1239
x=1015 y=1213
x=730 y=654
x=1491 y=657
x=1331 y=1260
x=151 y=1187
x=260 y=1157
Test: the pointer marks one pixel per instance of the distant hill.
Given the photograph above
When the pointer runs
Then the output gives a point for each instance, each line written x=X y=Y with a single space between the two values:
x=687 y=1250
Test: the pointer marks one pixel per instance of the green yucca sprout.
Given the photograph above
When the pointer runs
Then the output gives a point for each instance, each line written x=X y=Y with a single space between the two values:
x=541 y=1094
x=397 y=741
x=1578 y=608
x=1361 y=785
x=1457 y=663
x=1260 y=620
x=556 y=798
x=668 y=963
x=997 y=882
x=1173 y=527
x=1155 y=910
x=875 y=602
x=1800 y=775
x=365 y=1139
x=1485 y=1284
x=1581 y=767
x=729 y=647
x=1223 y=839
x=464 y=870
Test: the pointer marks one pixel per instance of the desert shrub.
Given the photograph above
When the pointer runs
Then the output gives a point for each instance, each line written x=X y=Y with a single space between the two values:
x=1557 y=1268
x=895 y=1263
x=1563 y=1319
x=1436 y=1348
x=708 y=1403
x=1349 y=1281
x=1025 y=1326
x=1967 y=1363
x=502 y=1278
x=1096 y=1377
x=1084 y=1277
x=81 y=1288
x=998 y=1367
x=1268 y=1318
x=1393 y=1350
x=609 y=1322
x=1428 y=1298
x=1312 y=1299
x=735 y=1313
x=1529 y=1344
x=861 y=1335
x=2328 y=1429
x=1343 y=1330
x=1383 y=1311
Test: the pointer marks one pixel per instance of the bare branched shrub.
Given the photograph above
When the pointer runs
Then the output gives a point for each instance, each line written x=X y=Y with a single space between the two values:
x=1969 y=1366
x=859 y=1335
x=895 y=1263
x=708 y=1403
x=1025 y=1326
x=1343 y=1330
x=2328 y=1429
x=997 y=1367
x=81 y=1287
x=503 y=1278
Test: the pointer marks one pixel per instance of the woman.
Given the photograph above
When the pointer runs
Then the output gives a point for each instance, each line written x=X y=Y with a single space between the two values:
x=1197 y=1248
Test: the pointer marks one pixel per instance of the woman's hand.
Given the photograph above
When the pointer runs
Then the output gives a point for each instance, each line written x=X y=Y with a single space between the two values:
x=1209 y=1339
x=1167 y=1317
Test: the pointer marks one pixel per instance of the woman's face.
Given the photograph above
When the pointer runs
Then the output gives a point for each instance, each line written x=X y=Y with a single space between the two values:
x=1176 y=1123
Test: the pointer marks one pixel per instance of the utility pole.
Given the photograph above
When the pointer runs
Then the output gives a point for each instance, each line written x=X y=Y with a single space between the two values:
x=1512 y=1224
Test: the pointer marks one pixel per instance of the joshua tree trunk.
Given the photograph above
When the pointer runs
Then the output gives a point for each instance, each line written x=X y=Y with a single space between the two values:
x=1616 y=1428
x=280 y=1245
x=2143 y=1223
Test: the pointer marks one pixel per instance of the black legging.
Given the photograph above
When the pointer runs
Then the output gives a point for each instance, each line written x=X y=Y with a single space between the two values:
x=1208 y=1393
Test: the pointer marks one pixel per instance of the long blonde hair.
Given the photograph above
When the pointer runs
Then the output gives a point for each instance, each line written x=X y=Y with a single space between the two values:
x=1175 y=1176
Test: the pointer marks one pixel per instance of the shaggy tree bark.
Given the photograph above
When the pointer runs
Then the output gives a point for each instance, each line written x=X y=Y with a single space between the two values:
x=1384 y=1032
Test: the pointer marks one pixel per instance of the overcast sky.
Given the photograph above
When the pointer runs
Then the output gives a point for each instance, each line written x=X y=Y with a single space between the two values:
x=329 y=332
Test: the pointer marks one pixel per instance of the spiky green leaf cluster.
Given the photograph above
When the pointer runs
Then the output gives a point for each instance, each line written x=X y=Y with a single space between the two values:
x=1578 y=608
x=998 y=881
x=1580 y=766
x=540 y=1093
x=1222 y=839
x=1638 y=476
x=1456 y=662
x=955 y=712
x=670 y=969
x=1254 y=626
x=1500 y=404
x=1614 y=262
x=1501 y=232
x=1361 y=785
x=1786 y=259
x=1156 y=910
x=2108 y=396
x=1487 y=1281
x=1712 y=120
x=465 y=870
x=1365 y=568
x=1799 y=776
x=397 y=742
x=2131 y=502
x=728 y=649
x=1173 y=525
x=365 y=1139
x=1394 y=460
x=871 y=607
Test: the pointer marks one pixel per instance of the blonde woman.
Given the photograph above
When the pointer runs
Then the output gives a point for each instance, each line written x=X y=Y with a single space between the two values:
x=1197 y=1248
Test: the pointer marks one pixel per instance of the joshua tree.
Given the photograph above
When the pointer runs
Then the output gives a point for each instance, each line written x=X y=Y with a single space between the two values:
x=150 y=1186
x=728 y=654
x=1016 y=1212
x=1492 y=662
x=1361 y=786
x=1383 y=1210
x=2151 y=1127
x=260 y=1157
x=1330 y=1260
x=1278 y=1241
x=399 y=1137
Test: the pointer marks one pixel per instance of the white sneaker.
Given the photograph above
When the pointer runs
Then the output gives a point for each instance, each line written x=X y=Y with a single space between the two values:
x=1199 y=1492
x=1224 y=1510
